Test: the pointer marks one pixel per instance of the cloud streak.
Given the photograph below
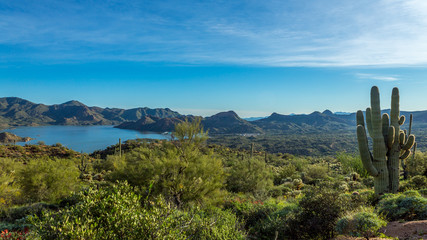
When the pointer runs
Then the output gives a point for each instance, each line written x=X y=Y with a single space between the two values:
x=377 y=77
x=272 y=33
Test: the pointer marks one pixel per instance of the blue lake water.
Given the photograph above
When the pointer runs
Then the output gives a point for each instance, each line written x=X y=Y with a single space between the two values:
x=81 y=138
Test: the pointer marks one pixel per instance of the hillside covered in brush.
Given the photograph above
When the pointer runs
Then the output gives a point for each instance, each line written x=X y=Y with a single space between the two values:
x=20 y=112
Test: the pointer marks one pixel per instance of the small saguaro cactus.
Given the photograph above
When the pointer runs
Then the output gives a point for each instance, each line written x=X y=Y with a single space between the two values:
x=389 y=143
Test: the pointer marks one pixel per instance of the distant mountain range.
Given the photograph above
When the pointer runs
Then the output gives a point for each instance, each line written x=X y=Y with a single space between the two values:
x=19 y=112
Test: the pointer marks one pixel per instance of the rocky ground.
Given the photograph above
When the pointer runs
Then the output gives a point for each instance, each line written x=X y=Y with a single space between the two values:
x=413 y=230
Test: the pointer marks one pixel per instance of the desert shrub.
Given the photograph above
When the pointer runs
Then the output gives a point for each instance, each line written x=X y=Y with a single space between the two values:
x=418 y=165
x=418 y=181
x=415 y=182
x=9 y=191
x=354 y=185
x=249 y=211
x=355 y=200
x=300 y=163
x=275 y=225
x=48 y=179
x=283 y=172
x=212 y=223
x=276 y=191
x=351 y=163
x=118 y=212
x=297 y=184
x=262 y=220
x=14 y=214
x=368 y=182
x=177 y=169
x=362 y=223
x=409 y=205
x=196 y=178
x=249 y=176
x=319 y=209
x=315 y=173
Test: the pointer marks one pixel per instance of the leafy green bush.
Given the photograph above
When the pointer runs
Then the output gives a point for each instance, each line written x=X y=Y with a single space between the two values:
x=119 y=213
x=319 y=209
x=315 y=173
x=409 y=205
x=178 y=170
x=262 y=220
x=48 y=179
x=362 y=223
x=275 y=225
x=249 y=176
x=417 y=165
x=15 y=214
x=283 y=172
x=351 y=163
x=10 y=192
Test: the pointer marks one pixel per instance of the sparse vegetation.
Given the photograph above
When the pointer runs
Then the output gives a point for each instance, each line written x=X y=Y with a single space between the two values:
x=186 y=189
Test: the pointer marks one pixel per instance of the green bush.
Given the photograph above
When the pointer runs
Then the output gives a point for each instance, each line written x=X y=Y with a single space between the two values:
x=283 y=172
x=364 y=223
x=48 y=179
x=351 y=163
x=262 y=220
x=14 y=214
x=118 y=212
x=249 y=176
x=356 y=200
x=319 y=209
x=315 y=173
x=275 y=225
x=10 y=192
x=409 y=205
x=178 y=170
x=416 y=182
x=417 y=165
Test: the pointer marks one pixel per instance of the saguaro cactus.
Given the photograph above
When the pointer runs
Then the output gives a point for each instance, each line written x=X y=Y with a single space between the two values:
x=389 y=143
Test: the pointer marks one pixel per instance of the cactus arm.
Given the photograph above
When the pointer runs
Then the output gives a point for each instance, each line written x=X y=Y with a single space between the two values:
x=409 y=143
x=359 y=118
x=410 y=124
x=402 y=120
x=402 y=138
x=386 y=124
x=405 y=155
x=394 y=111
x=365 y=154
x=390 y=137
x=369 y=121
x=415 y=149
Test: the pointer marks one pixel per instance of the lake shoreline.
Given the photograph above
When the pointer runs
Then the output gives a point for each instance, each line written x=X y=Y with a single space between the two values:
x=87 y=139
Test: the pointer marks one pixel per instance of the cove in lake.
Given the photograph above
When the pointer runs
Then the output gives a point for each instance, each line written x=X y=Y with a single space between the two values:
x=81 y=138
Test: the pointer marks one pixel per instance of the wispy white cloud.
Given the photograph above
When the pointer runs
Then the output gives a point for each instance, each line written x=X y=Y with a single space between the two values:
x=271 y=33
x=377 y=77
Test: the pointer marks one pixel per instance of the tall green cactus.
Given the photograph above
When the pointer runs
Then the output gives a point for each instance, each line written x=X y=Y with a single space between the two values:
x=389 y=143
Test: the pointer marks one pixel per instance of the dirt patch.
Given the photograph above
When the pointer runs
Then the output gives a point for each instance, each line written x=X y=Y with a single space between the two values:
x=414 y=230
x=407 y=230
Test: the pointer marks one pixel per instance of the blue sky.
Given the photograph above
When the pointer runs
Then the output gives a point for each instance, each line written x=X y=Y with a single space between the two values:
x=202 y=57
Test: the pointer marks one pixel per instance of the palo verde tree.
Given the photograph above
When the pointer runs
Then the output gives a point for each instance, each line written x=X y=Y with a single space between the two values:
x=195 y=175
x=177 y=169
x=390 y=143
